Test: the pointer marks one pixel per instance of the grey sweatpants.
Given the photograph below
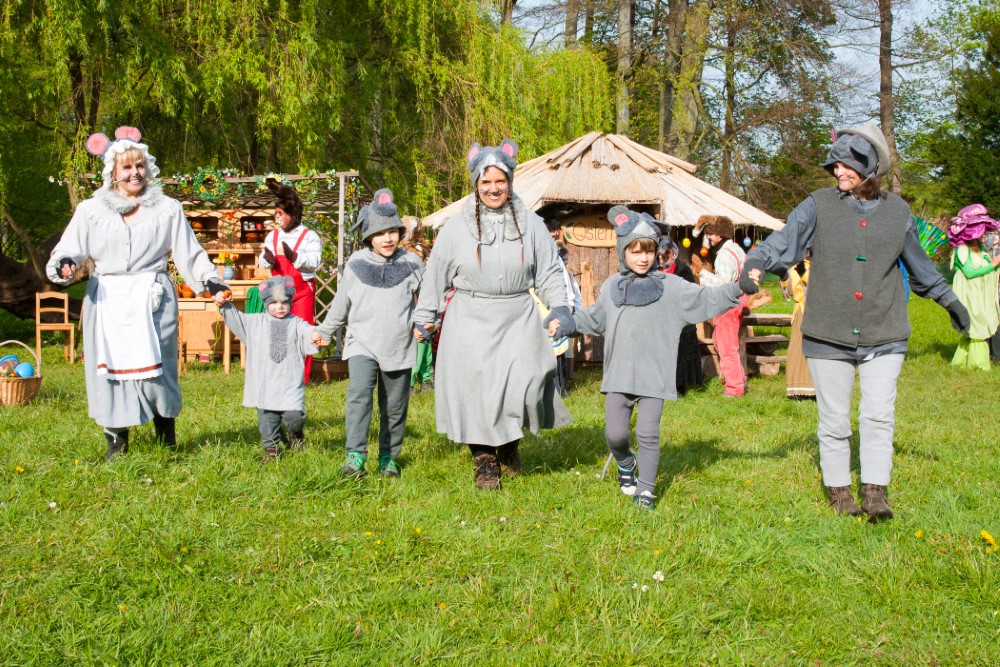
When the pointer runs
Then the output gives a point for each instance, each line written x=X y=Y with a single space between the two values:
x=269 y=422
x=834 y=380
x=617 y=415
x=393 y=401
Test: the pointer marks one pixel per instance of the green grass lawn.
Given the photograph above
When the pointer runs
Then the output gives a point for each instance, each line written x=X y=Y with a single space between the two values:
x=202 y=556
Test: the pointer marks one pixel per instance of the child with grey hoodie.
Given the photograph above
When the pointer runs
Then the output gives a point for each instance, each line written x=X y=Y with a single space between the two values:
x=375 y=300
x=641 y=313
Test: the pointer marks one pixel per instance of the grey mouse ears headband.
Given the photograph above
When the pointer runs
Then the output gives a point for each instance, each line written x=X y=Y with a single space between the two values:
x=480 y=158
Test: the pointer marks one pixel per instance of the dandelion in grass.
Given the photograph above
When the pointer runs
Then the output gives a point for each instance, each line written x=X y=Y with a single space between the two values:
x=76 y=461
x=122 y=608
x=184 y=550
x=989 y=538
x=538 y=525
x=378 y=541
x=417 y=530
x=442 y=606
x=657 y=552
x=918 y=534
x=19 y=469
x=658 y=575
x=368 y=533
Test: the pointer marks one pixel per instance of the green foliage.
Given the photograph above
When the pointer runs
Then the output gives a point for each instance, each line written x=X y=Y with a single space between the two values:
x=204 y=556
x=966 y=151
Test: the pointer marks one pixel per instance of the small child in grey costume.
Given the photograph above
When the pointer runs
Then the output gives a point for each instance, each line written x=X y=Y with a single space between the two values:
x=642 y=312
x=277 y=344
x=376 y=299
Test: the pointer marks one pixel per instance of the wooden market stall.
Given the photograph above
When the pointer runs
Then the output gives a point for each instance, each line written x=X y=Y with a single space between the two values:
x=232 y=215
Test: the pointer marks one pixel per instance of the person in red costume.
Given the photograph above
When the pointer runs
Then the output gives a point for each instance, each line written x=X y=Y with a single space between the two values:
x=293 y=250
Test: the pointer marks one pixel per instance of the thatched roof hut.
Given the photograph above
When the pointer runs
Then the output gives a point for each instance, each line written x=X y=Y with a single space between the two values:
x=611 y=169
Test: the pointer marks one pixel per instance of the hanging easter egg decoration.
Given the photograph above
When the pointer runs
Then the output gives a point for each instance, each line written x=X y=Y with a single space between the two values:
x=747 y=242
x=703 y=252
x=686 y=243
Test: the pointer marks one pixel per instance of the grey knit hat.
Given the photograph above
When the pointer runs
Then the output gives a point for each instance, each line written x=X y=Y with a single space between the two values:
x=863 y=148
x=631 y=225
x=277 y=288
x=502 y=157
x=379 y=215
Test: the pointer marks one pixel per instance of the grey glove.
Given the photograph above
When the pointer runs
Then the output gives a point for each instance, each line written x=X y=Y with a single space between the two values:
x=959 y=315
x=747 y=286
x=567 y=325
x=214 y=286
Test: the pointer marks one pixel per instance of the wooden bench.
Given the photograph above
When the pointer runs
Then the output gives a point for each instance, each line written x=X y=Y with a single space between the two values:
x=756 y=352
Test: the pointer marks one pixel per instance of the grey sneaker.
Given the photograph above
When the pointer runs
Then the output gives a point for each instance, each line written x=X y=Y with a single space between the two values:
x=644 y=500
x=626 y=480
x=354 y=466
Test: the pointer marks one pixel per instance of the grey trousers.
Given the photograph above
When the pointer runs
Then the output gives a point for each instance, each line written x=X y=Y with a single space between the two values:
x=393 y=401
x=269 y=422
x=617 y=415
x=834 y=380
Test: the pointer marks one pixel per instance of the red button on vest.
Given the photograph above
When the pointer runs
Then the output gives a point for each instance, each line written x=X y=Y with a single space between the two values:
x=863 y=223
x=858 y=295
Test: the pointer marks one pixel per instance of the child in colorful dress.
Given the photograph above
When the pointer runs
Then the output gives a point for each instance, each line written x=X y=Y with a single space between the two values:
x=975 y=284
x=375 y=299
x=277 y=344
x=641 y=313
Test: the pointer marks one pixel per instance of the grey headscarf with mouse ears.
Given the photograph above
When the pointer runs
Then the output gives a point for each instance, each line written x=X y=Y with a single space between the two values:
x=631 y=288
x=863 y=148
x=480 y=158
x=381 y=214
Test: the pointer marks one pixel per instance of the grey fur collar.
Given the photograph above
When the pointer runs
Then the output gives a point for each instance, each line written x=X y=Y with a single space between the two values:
x=374 y=270
x=121 y=204
x=510 y=232
x=277 y=346
x=635 y=290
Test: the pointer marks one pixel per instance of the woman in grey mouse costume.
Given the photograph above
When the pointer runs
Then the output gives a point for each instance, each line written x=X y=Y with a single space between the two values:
x=856 y=323
x=641 y=313
x=277 y=343
x=129 y=228
x=496 y=373
x=375 y=299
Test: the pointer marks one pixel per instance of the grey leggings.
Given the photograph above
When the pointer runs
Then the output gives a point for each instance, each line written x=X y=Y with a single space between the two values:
x=617 y=415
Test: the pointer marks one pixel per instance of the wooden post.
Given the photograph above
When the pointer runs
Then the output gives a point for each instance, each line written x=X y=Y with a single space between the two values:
x=341 y=231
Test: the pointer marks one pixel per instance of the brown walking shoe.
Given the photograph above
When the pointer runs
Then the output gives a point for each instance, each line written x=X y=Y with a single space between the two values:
x=875 y=503
x=842 y=501
x=487 y=471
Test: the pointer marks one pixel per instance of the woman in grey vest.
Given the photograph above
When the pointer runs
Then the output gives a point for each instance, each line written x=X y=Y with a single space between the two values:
x=857 y=320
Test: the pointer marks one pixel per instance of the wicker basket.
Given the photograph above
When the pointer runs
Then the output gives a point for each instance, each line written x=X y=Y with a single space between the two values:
x=328 y=369
x=18 y=391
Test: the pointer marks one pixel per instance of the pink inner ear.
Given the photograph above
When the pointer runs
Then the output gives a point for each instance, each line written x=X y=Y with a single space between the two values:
x=473 y=152
x=385 y=198
x=127 y=132
x=621 y=218
x=508 y=149
x=97 y=143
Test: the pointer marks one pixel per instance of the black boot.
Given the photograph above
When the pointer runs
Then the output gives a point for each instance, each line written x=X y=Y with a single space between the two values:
x=117 y=445
x=296 y=440
x=166 y=432
x=510 y=458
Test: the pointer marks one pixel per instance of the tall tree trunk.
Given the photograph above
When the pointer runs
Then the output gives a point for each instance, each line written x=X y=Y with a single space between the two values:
x=729 y=131
x=624 y=65
x=670 y=72
x=572 y=23
x=686 y=107
x=588 y=21
x=886 y=102
x=506 y=11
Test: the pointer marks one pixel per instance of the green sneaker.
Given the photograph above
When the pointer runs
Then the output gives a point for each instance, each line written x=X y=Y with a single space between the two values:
x=387 y=466
x=354 y=466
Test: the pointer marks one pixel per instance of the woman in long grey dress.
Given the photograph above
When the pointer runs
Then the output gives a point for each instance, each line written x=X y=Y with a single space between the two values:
x=496 y=372
x=128 y=228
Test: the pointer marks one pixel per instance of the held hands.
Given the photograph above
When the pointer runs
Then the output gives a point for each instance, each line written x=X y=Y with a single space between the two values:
x=959 y=316
x=751 y=276
x=290 y=254
x=318 y=340
x=553 y=328
x=66 y=268
x=563 y=320
x=423 y=333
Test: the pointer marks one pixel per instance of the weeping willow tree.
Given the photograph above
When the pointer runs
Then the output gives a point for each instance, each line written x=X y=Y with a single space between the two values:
x=398 y=89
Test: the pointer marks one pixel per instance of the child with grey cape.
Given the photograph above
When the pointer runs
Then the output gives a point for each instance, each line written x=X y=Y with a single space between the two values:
x=375 y=300
x=277 y=344
x=641 y=313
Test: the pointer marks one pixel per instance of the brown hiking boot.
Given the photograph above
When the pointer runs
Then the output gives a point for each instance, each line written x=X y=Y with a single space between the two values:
x=487 y=471
x=271 y=455
x=842 y=501
x=297 y=441
x=875 y=503
x=510 y=459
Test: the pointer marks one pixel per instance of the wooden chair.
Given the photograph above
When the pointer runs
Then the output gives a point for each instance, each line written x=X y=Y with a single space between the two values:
x=55 y=302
